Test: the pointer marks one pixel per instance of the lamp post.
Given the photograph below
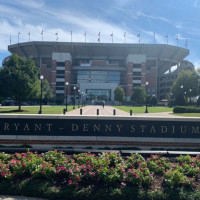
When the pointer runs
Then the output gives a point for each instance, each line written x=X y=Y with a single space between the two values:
x=190 y=95
x=78 y=98
x=41 y=78
x=66 y=93
x=74 y=97
x=171 y=96
x=182 y=95
x=147 y=83
x=85 y=99
x=82 y=96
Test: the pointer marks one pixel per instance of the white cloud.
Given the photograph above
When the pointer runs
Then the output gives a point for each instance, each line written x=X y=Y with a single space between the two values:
x=197 y=63
x=32 y=3
x=37 y=15
x=8 y=11
x=192 y=30
x=140 y=13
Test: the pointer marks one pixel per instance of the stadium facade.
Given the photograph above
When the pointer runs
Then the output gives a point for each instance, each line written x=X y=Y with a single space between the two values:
x=96 y=69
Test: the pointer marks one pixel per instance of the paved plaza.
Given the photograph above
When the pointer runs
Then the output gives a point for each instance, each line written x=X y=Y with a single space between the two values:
x=109 y=111
x=6 y=197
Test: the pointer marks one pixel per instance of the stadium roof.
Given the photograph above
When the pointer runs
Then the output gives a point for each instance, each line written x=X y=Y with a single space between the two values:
x=162 y=53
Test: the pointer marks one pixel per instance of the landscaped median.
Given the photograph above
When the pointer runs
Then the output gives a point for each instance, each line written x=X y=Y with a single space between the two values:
x=55 y=175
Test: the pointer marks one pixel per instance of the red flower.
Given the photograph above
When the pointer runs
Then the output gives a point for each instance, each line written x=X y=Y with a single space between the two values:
x=70 y=182
x=3 y=174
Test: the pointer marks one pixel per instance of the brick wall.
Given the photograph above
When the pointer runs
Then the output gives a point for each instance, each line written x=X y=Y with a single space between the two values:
x=46 y=72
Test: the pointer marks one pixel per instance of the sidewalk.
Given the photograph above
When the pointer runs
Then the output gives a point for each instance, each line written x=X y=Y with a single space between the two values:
x=92 y=111
x=108 y=111
x=6 y=197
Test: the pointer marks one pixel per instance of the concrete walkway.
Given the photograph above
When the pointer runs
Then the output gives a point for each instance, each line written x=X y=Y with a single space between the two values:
x=108 y=111
x=92 y=111
x=6 y=197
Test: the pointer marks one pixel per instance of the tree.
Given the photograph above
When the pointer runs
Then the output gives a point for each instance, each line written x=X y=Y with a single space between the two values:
x=20 y=79
x=185 y=86
x=153 y=101
x=119 y=94
x=180 y=100
x=139 y=95
x=47 y=91
x=198 y=101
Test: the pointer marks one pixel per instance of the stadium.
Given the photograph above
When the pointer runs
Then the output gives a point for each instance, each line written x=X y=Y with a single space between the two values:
x=96 y=69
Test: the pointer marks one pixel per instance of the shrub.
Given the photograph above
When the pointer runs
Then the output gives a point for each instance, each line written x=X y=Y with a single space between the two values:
x=153 y=101
x=174 y=179
x=186 y=109
x=198 y=101
x=158 y=164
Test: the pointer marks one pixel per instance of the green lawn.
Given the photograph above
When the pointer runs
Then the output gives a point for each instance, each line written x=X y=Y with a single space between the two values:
x=141 y=109
x=187 y=114
x=35 y=109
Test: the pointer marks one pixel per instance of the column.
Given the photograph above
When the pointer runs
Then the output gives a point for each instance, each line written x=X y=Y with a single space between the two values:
x=129 y=80
x=53 y=76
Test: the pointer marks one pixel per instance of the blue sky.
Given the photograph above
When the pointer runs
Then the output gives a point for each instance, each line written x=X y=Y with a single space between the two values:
x=164 y=17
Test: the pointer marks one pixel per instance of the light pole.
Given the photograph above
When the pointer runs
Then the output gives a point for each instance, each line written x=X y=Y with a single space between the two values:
x=185 y=96
x=82 y=96
x=41 y=78
x=74 y=97
x=66 y=93
x=182 y=95
x=171 y=100
x=190 y=95
x=147 y=83
x=78 y=98
x=85 y=99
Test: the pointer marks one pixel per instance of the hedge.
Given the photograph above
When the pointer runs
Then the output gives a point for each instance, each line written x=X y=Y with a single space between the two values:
x=186 y=109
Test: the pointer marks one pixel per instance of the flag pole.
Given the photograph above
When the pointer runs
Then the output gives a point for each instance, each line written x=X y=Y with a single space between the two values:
x=56 y=36
x=138 y=35
x=85 y=36
x=177 y=39
x=42 y=35
x=18 y=37
x=29 y=35
x=186 y=44
x=112 y=36
x=125 y=37
x=99 y=36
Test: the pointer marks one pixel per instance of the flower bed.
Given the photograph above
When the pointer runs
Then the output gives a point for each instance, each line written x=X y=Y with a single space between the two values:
x=104 y=176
